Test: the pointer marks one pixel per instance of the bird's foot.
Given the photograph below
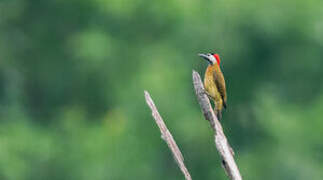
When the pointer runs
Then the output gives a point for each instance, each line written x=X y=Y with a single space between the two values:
x=232 y=152
x=208 y=95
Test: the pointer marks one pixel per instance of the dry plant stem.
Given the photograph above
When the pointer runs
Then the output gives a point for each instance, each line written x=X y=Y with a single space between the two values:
x=167 y=136
x=221 y=142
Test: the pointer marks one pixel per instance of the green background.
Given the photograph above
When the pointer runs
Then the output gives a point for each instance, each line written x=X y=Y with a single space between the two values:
x=73 y=72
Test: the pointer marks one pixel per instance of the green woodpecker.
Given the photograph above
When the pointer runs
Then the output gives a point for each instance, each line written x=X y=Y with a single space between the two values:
x=214 y=83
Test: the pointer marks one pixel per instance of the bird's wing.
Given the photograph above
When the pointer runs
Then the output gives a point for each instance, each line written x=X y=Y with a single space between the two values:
x=220 y=84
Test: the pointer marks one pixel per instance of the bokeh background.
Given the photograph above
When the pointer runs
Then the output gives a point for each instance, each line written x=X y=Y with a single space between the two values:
x=72 y=76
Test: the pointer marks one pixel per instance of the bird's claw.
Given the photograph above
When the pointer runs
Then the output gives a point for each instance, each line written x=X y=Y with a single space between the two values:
x=208 y=95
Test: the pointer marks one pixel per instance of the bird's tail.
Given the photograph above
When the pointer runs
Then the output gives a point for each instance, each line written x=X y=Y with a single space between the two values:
x=218 y=114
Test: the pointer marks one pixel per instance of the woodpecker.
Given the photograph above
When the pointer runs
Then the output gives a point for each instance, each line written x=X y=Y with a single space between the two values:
x=214 y=83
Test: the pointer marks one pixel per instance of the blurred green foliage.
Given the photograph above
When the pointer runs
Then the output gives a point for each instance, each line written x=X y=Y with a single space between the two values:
x=72 y=75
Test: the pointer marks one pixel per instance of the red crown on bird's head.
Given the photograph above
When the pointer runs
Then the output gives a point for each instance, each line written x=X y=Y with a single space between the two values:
x=217 y=57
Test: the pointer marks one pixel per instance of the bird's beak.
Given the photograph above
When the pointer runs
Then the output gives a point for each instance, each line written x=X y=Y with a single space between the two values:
x=204 y=56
